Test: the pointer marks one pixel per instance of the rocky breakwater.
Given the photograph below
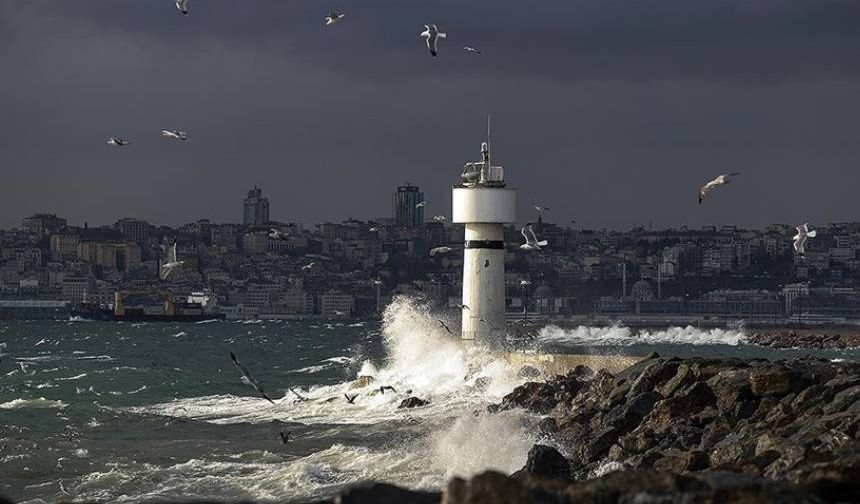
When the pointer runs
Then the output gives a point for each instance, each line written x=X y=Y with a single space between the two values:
x=790 y=421
x=839 y=339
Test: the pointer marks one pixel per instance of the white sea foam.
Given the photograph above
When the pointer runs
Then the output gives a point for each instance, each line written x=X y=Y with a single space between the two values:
x=624 y=336
x=76 y=377
x=40 y=402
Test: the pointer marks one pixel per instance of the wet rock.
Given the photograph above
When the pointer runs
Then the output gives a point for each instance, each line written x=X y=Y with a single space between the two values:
x=653 y=375
x=380 y=493
x=529 y=372
x=491 y=488
x=361 y=382
x=546 y=462
x=533 y=396
x=679 y=462
x=600 y=442
x=731 y=387
x=628 y=415
x=666 y=488
x=582 y=371
x=684 y=404
x=683 y=377
x=547 y=426
x=835 y=481
x=412 y=402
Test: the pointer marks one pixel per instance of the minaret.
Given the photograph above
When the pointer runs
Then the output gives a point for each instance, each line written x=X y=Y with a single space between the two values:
x=484 y=205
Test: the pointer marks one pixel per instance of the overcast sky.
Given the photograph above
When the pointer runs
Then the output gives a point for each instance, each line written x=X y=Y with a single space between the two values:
x=610 y=112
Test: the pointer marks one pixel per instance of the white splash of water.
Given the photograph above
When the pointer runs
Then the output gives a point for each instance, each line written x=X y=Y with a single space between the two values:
x=624 y=336
x=446 y=437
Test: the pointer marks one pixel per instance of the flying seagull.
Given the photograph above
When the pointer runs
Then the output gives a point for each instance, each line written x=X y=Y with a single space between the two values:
x=182 y=5
x=523 y=283
x=350 y=400
x=277 y=234
x=439 y=250
x=421 y=205
x=172 y=264
x=710 y=186
x=175 y=134
x=308 y=266
x=432 y=34
x=383 y=388
x=541 y=209
x=285 y=437
x=332 y=18
x=250 y=379
x=487 y=322
x=472 y=50
x=117 y=142
x=532 y=242
x=440 y=218
x=803 y=234
x=446 y=327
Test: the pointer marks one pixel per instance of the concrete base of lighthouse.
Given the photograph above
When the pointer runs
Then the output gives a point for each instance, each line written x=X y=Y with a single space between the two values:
x=483 y=211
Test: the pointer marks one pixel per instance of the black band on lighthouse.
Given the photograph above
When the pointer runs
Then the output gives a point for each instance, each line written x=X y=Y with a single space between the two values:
x=485 y=244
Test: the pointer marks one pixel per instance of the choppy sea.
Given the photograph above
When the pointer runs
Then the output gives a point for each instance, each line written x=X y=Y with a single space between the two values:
x=122 y=412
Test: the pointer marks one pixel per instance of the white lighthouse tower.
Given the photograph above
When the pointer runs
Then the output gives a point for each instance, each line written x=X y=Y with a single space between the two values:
x=484 y=205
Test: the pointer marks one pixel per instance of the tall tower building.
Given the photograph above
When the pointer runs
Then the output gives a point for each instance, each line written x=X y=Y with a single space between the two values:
x=406 y=209
x=483 y=204
x=255 y=208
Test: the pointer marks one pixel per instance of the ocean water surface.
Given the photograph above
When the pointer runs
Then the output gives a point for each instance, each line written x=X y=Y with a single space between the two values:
x=121 y=412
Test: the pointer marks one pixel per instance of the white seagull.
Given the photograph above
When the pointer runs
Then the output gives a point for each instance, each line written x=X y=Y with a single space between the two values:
x=440 y=218
x=803 y=234
x=721 y=180
x=308 y=266
x=276 y=234
x=472 y=49
x=175 y=134
x=532 y=242
x=524 y=283
x=421 y=205
x=541 y=209
x=432 y=34
x=172 y=264
x=117 y=142
x=182 y=5
x=439 y=250
x=332 y=18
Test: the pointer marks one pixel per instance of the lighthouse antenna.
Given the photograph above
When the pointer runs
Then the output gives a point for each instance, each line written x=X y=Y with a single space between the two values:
x=489 y=145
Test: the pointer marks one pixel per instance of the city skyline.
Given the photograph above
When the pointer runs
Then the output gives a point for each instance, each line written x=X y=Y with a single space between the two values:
x=607 y=147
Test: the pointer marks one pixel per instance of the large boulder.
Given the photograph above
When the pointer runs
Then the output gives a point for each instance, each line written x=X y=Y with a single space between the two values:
x=547 y=462
x=412 y=402
x=533 y=396
x=684 y=404
x=380 y=493
x=773 y=381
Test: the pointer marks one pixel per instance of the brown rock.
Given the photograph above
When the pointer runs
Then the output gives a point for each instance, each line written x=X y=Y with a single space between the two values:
x=361 y=382
x=774 y=381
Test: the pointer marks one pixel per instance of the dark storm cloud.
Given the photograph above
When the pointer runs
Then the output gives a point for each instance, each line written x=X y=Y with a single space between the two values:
x=610 y=112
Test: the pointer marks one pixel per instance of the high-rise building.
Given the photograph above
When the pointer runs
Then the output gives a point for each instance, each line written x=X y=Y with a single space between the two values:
x=406 y=209
x=255 y=208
